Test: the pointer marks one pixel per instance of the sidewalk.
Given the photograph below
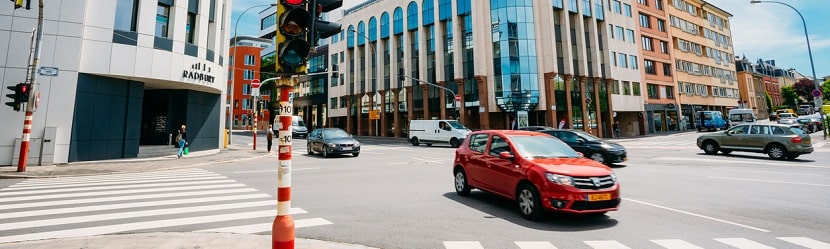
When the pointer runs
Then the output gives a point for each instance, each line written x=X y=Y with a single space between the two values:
x=234 y=153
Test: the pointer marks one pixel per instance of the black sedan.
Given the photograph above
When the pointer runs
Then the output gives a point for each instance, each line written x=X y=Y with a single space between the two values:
x=592 y=147
x=332 y=141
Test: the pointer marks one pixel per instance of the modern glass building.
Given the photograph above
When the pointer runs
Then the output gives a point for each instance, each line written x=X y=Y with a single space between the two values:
x=130 y=73
x=501 y=59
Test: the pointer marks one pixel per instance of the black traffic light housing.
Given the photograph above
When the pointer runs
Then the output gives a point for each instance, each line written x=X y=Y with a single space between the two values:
x=19 y=96
x=322 y=29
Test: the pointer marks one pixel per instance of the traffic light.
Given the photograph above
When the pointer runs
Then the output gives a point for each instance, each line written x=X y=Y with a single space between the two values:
x=322 y=29
x=19 y=91
x=292 y=37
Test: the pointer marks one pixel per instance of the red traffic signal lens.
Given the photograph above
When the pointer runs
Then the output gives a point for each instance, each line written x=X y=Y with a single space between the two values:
x=293 y=2
x=294 y=22
x=24 y=89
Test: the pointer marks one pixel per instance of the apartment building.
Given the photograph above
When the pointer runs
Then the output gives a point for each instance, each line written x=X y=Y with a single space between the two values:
x=661 y=98
x=244 y=66
x=703 y=57
x=753 y=88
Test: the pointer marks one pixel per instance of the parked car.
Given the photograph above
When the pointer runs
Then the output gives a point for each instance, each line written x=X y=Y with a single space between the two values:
x=786 y=118
x=815 y=119
x=773 y=116
x=599 y=150
x=807 y=124
x=537 y=171
x=710 y=120
x=432 y=131
x=777 y=141
x=298 y=128
x=332 y=141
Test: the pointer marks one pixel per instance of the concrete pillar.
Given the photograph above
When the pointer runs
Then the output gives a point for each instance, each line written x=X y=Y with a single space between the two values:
x=382 y=120
x=425 y=91
x=484 y=101
x=349 y=114
x=596 y=102
x=569 y=100
x=550 y=99
x=462 y=112
x=396 y=120
x=443 y=100
x=371 y=122
x=359 y=98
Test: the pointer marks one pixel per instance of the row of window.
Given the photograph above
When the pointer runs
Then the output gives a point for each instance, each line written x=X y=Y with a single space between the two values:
x=628 y=88
x=718 y=38
x=686 y=26
x=623 y=60
x=699 y=69
x=621 y=8
x=620 y=33
x=649 y=46
x=705 y=90
x=685 y=6
x=660 y=92
x=658 y=4
x=651 y=67
x=645 y=21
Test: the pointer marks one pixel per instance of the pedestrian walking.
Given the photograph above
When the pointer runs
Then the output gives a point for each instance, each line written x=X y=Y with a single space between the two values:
x=270 y=137
x=616 y=127
x=182 y=140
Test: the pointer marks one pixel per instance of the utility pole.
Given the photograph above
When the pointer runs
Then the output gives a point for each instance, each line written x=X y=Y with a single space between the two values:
x=30 y=106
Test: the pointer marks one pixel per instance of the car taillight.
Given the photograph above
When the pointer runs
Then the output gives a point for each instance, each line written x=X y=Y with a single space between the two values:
x=796 y=140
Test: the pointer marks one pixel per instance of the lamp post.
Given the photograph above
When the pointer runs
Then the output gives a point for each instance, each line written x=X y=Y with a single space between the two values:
x=233 y=67
x=816 y=99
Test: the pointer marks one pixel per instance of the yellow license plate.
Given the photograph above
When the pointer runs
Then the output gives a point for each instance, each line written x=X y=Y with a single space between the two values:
x=599 y=197
x=807 y=142
x=625 y=159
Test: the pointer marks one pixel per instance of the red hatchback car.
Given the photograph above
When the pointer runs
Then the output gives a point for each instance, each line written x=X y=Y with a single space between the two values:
x=536 y=170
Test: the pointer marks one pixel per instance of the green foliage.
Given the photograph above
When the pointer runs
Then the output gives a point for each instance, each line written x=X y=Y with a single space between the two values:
x=825 y=90
x=789 y=95
x=769 y=102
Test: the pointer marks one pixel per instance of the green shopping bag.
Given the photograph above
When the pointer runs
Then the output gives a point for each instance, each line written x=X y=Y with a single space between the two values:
x=186 y=150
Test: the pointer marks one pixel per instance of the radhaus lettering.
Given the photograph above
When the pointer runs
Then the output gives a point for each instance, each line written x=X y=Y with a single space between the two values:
x=200 y=72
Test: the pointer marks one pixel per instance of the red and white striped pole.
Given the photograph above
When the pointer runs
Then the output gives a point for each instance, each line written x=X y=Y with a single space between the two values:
x=282 y=230
x=24 y=143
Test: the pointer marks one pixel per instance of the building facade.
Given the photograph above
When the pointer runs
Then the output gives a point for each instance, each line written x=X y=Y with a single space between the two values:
x=624 y=67
x=544 y=60
x=661 y=93
x=130 y=74
x=244 y=66
x=703 y=57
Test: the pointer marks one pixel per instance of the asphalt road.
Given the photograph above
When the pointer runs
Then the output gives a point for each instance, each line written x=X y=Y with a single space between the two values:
x=395 y=195
x=399 y=196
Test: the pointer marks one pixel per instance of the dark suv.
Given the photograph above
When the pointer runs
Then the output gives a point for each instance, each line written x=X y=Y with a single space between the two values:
x=592 y=147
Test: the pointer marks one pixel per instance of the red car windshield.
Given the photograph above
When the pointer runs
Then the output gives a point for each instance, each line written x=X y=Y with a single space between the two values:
x=542 y=147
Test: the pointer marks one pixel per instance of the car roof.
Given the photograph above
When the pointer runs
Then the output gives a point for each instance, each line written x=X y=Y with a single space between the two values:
x=510 y=132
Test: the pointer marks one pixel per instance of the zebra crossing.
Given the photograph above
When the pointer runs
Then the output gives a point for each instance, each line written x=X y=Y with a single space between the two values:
x=740 y=243
x=185 y=200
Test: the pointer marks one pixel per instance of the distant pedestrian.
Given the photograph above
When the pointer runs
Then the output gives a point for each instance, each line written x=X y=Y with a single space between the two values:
x=182 y=140
x=270 y=137
x=616 y=127
x=513 y=124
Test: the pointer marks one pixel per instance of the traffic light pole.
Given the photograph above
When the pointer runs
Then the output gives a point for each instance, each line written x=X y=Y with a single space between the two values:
x=30 y=107
x=282 y=230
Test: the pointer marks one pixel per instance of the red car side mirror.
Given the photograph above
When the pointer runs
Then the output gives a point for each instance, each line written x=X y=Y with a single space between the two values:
x=506 y=155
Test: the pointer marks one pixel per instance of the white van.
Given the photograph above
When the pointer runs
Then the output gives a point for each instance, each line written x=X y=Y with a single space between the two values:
x=437 y=131
x=741 y=116
x=298 y=128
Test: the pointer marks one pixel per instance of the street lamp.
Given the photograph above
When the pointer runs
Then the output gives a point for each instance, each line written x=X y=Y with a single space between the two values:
x=233 y=66
x=816 y=99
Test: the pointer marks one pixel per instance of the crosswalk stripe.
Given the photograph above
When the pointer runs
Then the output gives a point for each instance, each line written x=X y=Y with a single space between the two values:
x=806 y=242
x=143 y=213
x=534 y=245
x=122 y=192
x=120 y=182
x=125 y=227
x=126 y=186
x=266 y=227
x=125 y=198
x=605 y=244
x=143 y=175
x=675 y=244
x=743 y=243
x=78 y=209
x=462 y=245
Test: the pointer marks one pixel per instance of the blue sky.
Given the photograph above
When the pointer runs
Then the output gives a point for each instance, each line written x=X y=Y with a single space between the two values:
x=766 y=30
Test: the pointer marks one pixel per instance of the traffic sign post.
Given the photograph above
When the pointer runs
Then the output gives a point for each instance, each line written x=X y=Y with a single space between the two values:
x=255 y=87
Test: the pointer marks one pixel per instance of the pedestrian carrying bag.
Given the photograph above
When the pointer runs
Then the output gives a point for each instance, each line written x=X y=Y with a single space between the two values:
x=178 y=138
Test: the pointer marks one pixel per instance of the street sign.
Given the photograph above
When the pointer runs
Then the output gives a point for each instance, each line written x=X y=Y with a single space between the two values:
x=255 y=87
x=48 y=71
x=457 y=97
x=374 y=114
x=816 y=93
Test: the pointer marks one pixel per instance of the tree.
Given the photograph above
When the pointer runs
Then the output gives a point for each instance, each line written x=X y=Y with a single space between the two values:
x=804 y=88
x=769 y=102
x=825 y=90
x=789 y=95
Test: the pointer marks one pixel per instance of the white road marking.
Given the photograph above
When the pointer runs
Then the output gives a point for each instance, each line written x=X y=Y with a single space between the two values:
x=734 y=161
x=606 y=244
x=125 y=227
x=743 y=243
x=266 y=227
x=271 y=170
x=767 y=171
x=122 y=192
x=427 y=160
x=675 y=244
x=61 y=190
x=534 y=245
x=115 y=177
x=462 y=245
x=119 y=182
x=77 y=209
x=806 y=242
x=698 y=215
x=756 y=180
x=126 y=198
